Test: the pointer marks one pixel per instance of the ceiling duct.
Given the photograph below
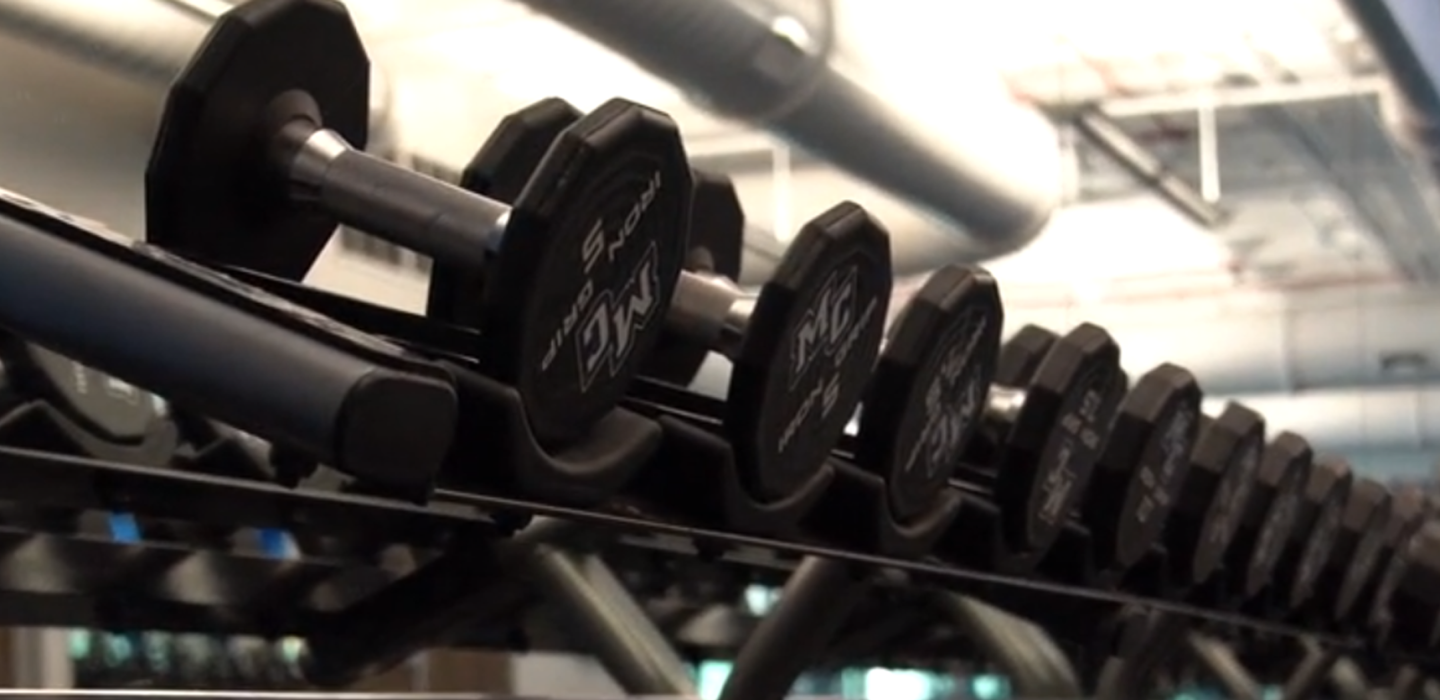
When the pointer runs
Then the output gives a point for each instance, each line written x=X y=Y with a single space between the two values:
x=1401 y=35
x=763 y=66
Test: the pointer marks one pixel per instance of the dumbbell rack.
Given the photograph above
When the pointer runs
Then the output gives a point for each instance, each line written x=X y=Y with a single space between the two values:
x=457 y=540
x=88 y=580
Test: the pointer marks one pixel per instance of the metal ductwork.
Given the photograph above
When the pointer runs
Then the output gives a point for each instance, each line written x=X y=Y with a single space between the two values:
x=748 y=62
x=1401 y=33
x=146 y=41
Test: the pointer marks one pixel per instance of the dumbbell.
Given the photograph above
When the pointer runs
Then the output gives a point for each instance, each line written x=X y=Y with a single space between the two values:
x=1267 y=523
x=507 y=161
x=1356 y=557
x=1214 y=494
x=802 y=349
x=1409 y=514
x=1319 y=516
x=256 y=160
x=717 y=241
x=1042 y=430
x=1146 y=457
x=928 y=390
x=919 y=411
x=1411 y=614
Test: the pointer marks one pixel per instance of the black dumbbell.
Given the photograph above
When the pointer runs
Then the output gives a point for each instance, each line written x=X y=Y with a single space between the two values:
x=256 y=161
x=1406 y=513
x=509 y=159
x=1268 y=521
x=803 y=348
x=1411 y=615
x=717 y=239
x=929 y=387
x=1358 y=547
x=1319 y=518
x=1410 y=513
x=1216 y=489
x=919 y=412
x=1043 y=428
x=1138 y=476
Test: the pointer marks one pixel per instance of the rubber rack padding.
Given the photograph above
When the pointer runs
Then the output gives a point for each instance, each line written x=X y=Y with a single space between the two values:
x=374 y=420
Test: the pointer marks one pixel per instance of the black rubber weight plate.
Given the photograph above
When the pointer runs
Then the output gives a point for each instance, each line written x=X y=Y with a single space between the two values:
x=499 y=170
x=1232 y=445
x=809 y=349
x=930 y=385
x=717 y=226
x=1022 y=353
x=1327 y=490
x=1365 y=558
x=207 y=195
x=1057 y=436
x=591 y=255
x=1146 y=458
x=1165 y=461
x=1284 y=469
x=717 y=240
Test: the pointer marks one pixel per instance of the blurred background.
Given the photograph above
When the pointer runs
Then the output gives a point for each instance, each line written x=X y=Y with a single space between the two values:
x=1243 y=187
x=1240 y=187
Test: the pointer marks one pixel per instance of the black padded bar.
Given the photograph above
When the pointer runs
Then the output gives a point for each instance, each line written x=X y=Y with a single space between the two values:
x=341 y=408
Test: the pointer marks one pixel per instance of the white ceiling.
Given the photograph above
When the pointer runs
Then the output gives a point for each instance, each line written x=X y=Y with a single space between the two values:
x=487 y=57
x=462 y=64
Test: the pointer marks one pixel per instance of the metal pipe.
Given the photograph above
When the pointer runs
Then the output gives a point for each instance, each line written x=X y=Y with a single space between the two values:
x=818 y=597
x=145 y=40
x=1108 y=136
x=1000 y=641
x=739 y=63
x=1400 y=33
x=609 y=622
x=1218 y=659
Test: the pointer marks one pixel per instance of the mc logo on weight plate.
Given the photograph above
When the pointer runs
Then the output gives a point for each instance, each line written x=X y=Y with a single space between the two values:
x=607 y=335
x=826 y=323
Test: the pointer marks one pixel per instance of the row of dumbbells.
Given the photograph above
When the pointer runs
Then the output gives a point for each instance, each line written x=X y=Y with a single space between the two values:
x=565 y=249
x=566 y=266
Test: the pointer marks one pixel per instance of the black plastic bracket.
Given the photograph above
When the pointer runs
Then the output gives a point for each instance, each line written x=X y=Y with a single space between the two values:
x=855 y=513
x=694 y=478
x=975 y=540
x=500 y=452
